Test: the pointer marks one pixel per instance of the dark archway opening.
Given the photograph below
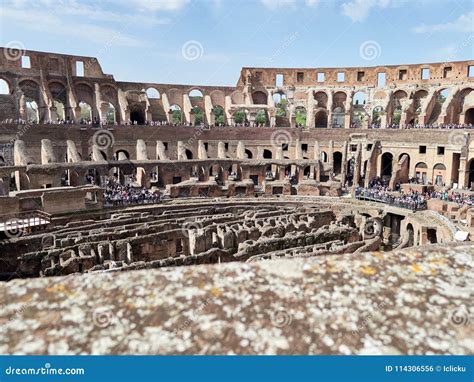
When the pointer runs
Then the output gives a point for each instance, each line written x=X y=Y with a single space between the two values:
x=321 y=119
x=469 y=116
x=386 y=170
x=267 y=154
x=137 y=116
x=337 y=162
x=471 y=173
x=431 y=235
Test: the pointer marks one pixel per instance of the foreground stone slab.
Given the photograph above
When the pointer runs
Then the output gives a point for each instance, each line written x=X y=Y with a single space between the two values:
x=414 y=301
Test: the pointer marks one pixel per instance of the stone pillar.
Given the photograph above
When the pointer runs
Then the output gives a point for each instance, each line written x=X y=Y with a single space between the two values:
x=331 y=158
x=47 y=152
x=240 y=151
x=344 y=164
x=463 y=173
x=357 y=169
x=192 y=117
x=347 y=120
x=298 y=151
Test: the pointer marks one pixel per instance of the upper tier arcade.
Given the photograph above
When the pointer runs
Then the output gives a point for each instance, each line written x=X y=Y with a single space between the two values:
x=44 y=87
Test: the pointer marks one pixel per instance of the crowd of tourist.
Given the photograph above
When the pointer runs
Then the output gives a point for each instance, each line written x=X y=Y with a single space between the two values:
x=414 y=200
x=117 y=195
x=411 y=200
x=98 y=123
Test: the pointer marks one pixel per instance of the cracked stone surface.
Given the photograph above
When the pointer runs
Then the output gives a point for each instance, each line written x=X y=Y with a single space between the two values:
x=413 y=301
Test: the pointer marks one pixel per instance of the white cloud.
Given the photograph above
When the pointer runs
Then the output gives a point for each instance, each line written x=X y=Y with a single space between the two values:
x=57 y=21
x=464 y=23
x=159 y=5
x=358 y=10
x=274 y=4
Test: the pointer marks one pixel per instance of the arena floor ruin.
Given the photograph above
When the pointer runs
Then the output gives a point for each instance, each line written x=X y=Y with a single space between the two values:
x=140 y=222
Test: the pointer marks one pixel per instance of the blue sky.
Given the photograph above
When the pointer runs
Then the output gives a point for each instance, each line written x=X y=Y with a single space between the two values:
x=207 y=42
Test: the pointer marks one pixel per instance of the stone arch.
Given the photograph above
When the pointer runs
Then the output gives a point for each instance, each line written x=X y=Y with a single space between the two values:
x=441 y=96
x=259 y=98
x=321 y=99
x=219 y=115
x=281 y=104
x=339 y=101
x=110 y=113
x=358 y=108
x=4 y=87
x=421 y=172
x=337 y=162
x=122 y=155
x=324 y=157
x=237 y=97
x=84 y=93
x=137 y=113
x=198 y=115
x=300 y=115
x=439 y=174
x=267 y=154
x=338 y=116
x=85 y=111
x=176 y=114
x=411 y=234
x=217 y=97
x=321 y=119
x=396 y=114
x=469 y=116
x=386 y=166
x=153 y=93
x=175 y=96
x=359 y=98
x=195 y=93
x=189 y=154
x=431 y=235
x=376 y=115
x=248 y=153
x=470 y=177
x=418 y=98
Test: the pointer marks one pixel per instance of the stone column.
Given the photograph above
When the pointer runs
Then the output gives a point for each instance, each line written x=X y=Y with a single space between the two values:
x=344 y=164
x=331 y=159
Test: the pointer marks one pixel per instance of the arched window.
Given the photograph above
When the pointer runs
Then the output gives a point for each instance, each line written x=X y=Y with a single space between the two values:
x=4 y=88
x=152 y=93
x=198 y=115
x=86 y=110
x=195 y=93
x=219 y=117
x=31 y=110
x=176 y=114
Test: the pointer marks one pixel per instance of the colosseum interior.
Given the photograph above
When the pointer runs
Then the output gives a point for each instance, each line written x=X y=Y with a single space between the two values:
x=338 y=190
